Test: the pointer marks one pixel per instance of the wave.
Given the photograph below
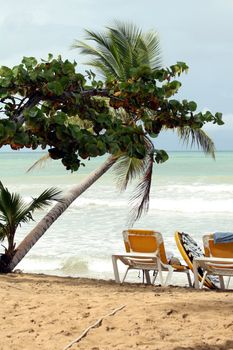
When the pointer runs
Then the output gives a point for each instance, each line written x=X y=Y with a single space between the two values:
x=73 y=266
x=196 y=188
x=94 y=202
x=182 y=198
x=69 y=266
x=192 y=205
x=186 y=205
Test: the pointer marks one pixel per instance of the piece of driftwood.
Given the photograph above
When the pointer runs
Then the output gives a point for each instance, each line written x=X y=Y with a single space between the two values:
x=94 y=325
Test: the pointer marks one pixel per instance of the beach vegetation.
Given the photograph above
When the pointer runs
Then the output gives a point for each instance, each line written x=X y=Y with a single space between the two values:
x=76 y=117
x=14 y=211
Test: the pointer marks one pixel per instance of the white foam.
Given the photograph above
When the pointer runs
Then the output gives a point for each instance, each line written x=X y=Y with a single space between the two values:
x=83 y=202
x=191 y=205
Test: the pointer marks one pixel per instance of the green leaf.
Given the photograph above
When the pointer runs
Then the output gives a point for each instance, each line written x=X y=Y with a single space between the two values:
x=68 y=68
x=10 y=128
x=5 y=71
x=2 y=131
x=172 y=88
x=29 y=62
x=5 y=82
x=192 y=106
x=208 y=116
x=218 y=118
x=50 y=57
x=175 y=104
x=175 y=85
x=21 y=138
x=183 y=66
x=75 y=131
x=3 y=93
x=60 y=118
x=91 y=149
x=160 y=156
x=101 y=147
x=33 y=112
x=55 y=87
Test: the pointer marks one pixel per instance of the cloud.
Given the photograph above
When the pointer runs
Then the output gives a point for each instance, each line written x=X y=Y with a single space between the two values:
x=199 y=33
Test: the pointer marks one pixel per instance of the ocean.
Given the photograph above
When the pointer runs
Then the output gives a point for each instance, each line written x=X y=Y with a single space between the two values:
x=190 y=192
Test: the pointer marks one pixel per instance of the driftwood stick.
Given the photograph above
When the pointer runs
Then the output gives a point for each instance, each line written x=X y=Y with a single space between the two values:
x=94 y=325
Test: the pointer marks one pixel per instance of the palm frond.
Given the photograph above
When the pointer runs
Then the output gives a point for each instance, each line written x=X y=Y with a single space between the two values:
x=141 y=197
x=14 y=211
x=150 y=49
x=25 y=210
x=44 y=199
x=2 y=232
x=197 y=137
x=9 y=205
x=127 y=169
x=103 y=57
x=125 y=39
x=121 y=48
x=40 y=162
x=101 y=39
x=128 y=31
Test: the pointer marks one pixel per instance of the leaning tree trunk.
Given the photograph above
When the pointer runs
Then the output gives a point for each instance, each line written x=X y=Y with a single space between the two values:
x=29 y=241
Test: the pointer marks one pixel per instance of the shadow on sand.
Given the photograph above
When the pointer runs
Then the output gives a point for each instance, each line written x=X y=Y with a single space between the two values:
x=228 y=345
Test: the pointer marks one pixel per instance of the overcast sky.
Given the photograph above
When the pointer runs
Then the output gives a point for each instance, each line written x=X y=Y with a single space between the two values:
x=198 y=32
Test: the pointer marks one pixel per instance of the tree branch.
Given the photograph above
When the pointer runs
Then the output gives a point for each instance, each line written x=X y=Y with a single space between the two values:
x=32 y=101
x=94 y=325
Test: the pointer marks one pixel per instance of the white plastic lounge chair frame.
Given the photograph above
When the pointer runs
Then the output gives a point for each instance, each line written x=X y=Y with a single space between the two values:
x=220 y=253
x=212 y=266
x=146 y=252
x=145 y=262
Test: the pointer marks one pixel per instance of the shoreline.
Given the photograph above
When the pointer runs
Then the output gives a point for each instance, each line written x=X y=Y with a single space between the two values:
x=49 y=312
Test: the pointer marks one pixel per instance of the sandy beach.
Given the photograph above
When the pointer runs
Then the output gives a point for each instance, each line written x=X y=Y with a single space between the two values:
x=46 y=312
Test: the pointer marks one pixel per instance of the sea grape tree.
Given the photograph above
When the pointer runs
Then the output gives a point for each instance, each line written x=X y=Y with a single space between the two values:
x=48 y=104
x=41 y=102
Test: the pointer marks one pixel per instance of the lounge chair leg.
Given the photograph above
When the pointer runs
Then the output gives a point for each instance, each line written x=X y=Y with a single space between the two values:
x=169 y=276
x=221 y=280
x=125 y=275
x=147 y=275
x=203 y=279
x=228 y=282
x=155 y=276
x=189 y=279
x=160 y=273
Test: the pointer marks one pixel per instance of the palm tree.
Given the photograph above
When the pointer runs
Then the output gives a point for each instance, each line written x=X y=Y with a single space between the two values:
x=116 y=54
x=13 y=212
x=121 y=49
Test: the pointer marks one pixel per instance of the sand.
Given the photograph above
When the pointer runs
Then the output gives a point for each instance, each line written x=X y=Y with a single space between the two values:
x=42 y=312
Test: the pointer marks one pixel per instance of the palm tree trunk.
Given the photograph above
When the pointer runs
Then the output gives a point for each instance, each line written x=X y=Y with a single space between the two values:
x=29 y=241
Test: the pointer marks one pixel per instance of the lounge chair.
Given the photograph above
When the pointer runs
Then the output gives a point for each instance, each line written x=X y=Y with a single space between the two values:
x=218 y=250
x=145 y=251
x=218 y=260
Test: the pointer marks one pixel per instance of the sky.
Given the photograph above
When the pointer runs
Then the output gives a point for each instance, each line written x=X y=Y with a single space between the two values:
x=197 y=32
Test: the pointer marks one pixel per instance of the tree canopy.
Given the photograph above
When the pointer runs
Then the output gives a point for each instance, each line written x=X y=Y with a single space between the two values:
x=49 y=104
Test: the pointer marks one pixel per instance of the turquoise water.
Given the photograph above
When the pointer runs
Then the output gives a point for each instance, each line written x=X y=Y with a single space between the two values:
x=190 y=192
